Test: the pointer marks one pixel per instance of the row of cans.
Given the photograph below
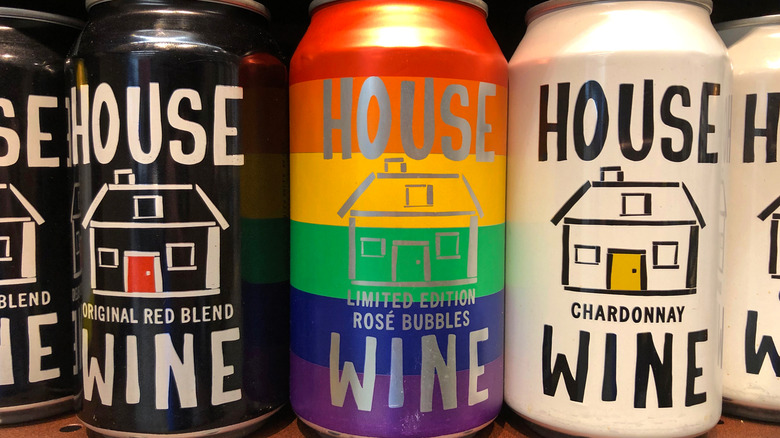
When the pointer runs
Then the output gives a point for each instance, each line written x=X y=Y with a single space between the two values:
x=160 y=222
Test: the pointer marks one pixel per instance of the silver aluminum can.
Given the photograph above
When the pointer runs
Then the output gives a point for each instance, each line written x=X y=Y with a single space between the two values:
x=751 y=365
x=618 y=135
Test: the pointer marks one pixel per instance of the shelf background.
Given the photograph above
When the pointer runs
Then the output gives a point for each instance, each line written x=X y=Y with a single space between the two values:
x=285 y=425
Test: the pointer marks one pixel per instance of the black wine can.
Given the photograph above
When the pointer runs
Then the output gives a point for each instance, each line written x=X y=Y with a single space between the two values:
x=179 y=132
x=39 y=263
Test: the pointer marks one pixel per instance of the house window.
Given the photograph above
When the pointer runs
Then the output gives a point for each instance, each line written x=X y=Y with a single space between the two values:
x=665 y=255
x=587 y=254
x=76 y=207
x=108 y=257
x=636 y=204
x=5 y=249
x=372 y=247
x=124 y=176
x=419 y=195
x=76 y=242
x=180 y=256
x=147 y=206
x=447 y=246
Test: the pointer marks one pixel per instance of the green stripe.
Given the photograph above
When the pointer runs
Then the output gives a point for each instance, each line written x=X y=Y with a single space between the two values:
x=265 y=253
x=321 y=262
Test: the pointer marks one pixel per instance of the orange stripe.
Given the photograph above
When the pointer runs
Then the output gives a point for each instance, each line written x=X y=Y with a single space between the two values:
x=307 y=115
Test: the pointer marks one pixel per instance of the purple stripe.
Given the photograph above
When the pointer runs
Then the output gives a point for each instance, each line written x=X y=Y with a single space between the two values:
x=310 y=396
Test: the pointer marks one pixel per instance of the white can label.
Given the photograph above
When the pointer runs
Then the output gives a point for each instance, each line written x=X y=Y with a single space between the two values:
x=615 y=211
x=751 y=363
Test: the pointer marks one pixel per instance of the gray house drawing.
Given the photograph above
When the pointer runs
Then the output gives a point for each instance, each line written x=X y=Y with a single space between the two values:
x=630 y=237
x=157 y=240
x=412 y=229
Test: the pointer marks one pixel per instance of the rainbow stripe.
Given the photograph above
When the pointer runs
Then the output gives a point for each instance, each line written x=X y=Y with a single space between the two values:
x=394 y=251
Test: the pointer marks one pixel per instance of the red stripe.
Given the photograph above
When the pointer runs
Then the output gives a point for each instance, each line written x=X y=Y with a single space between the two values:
x=442 y=39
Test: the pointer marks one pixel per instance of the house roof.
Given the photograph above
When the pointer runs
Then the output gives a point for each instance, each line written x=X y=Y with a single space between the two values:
x=412 y=194
x=180 y=204
x=602 y=202
x=14 y=205
x=771 y=208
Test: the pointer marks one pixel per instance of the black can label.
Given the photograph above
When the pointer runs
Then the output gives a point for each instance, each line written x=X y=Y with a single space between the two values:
x=39 y=266
x=185 y=231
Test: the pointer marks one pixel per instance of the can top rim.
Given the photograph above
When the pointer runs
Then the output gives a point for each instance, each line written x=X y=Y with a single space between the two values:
x=552 y=5
x=766 y=19
x=477 y=3
x=46 y=17
x=245 y=4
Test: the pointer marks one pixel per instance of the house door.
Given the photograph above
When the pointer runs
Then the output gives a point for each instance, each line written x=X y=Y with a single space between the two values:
x=411 y=261
x=626 y=270
x=142 y=272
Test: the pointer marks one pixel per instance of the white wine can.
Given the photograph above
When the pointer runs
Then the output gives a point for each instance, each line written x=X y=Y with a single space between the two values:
x=751 y=366
x=618 y=143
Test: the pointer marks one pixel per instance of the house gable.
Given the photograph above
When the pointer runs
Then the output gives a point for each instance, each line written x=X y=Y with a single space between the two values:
x=152 y=204
x=771 y=208
x=16 y=207
x=405 y=194
x=630 y=203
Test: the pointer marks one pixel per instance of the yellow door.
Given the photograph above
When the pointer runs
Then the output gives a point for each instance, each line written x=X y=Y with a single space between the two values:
x=626 y=272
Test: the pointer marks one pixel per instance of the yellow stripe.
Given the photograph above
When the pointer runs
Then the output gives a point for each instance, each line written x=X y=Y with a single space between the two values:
x=265 y=186
x=328 y=192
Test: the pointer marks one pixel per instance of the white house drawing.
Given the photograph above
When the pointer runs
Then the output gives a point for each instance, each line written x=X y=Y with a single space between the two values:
x=153 y=240
x=412 y=229
x=630 y=237
x=75 y=219
x=18 y=230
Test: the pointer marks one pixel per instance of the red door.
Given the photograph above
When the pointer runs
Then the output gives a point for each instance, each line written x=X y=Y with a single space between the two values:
x=142 y=272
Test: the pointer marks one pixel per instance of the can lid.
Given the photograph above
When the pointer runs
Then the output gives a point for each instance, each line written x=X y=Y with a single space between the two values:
x=754 y=21
x=45 y=17
x=728 y=11
x=245 y=4
x=67 y=8
x=477 y=3
x=551 y=5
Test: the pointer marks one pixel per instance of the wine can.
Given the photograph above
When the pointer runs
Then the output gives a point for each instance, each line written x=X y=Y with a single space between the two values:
x=618 y=139
x=752 y=284
x=178 y=129
x=39 y=268
x=398 y=146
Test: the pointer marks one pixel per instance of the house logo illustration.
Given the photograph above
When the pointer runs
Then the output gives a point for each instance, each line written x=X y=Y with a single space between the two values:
x=75 y=230
x=771 y=210
x=630 y=238
x=19 y=221
x=153 y=240
x=412 y=229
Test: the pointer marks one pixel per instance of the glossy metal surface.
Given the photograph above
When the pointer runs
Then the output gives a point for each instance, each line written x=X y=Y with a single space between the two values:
x=398 y=37
x=553 y=5
x=251 y=5
x=477 y=3
x=37 y=271
x=750 y=383
x=179 y=121
x=618 y=139
x=395 y=199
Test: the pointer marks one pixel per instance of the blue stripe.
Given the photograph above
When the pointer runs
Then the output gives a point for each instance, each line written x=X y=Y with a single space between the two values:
x=315 y=317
